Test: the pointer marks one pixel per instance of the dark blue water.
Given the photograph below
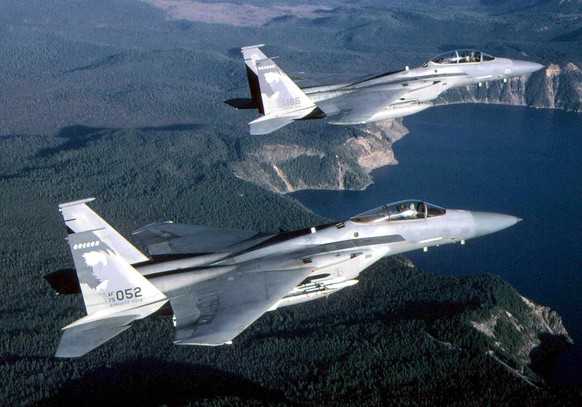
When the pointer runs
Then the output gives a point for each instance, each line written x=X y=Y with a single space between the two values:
x=513 y=160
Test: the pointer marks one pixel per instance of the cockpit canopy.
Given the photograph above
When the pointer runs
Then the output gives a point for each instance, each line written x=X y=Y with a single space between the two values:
x=461 y=56
x=402 y=210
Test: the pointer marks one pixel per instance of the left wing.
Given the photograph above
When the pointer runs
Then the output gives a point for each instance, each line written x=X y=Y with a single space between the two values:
x=175 y=238
x=360 y=106
x=214 y=312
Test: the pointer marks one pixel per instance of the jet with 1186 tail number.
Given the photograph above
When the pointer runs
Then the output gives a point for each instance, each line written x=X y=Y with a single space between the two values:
x=345 y=99
x=216 y=282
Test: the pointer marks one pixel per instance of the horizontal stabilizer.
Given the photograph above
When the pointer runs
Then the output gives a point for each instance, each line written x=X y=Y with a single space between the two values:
x=242 y=103
x=81 y=339
x=266 y=125
x=87 y=333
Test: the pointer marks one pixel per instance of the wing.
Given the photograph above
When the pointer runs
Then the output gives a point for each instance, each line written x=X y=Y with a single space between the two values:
x=214 y=312
x=308 y=79
x=360 y=106
x=175 y=238
x=267 y=124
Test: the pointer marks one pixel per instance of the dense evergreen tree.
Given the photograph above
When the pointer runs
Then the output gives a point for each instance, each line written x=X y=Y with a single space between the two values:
x=400 y=336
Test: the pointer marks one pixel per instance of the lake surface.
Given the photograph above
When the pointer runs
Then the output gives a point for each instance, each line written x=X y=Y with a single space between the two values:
x=515 y=160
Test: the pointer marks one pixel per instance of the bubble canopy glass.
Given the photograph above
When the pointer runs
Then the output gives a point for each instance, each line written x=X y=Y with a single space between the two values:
x=401 y=210
x=461 y=56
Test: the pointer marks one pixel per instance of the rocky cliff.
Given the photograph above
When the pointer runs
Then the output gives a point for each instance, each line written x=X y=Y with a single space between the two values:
x=559 y=86
x=286 y=168
x=519 y=330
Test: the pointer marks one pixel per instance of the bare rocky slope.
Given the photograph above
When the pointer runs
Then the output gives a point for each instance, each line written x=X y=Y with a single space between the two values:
x=285 y=168
x=558 y=86
x=531 y=325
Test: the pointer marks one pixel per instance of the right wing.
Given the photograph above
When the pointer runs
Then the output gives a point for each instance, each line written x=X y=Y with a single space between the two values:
x=214 y=312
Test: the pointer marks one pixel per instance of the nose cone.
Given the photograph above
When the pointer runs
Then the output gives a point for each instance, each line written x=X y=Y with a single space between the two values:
x=487 y=222
x=525 y=67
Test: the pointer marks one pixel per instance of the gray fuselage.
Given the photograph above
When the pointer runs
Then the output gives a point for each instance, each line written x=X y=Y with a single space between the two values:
x=336 y=252
x=422 y=84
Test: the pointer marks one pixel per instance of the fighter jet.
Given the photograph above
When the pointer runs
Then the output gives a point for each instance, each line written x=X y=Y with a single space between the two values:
x=217 y=282
x=348 y=100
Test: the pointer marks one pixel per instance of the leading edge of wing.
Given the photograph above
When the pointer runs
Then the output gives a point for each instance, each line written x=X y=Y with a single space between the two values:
x=215 y=312
x=176 y=238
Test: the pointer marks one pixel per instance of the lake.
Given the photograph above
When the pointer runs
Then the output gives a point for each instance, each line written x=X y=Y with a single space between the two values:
x=515 y=160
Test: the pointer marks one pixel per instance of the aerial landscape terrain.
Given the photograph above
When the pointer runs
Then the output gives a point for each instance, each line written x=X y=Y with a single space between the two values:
x=123 y=101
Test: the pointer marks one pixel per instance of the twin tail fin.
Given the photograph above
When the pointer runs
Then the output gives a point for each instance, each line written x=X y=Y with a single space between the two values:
x=276 y=96
x=114 y=292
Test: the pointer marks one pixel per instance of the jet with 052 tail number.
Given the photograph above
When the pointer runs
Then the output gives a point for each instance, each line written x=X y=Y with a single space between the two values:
x=216 y=282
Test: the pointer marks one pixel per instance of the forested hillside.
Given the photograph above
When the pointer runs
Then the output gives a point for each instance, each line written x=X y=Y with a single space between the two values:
x=399 y=336
x=123 y=101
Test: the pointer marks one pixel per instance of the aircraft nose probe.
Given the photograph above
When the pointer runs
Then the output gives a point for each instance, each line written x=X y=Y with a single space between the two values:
x=525 y=67
x=488 y=222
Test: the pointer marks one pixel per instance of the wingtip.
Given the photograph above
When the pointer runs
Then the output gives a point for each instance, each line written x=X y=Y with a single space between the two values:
x=252 y=46
x=73 y=203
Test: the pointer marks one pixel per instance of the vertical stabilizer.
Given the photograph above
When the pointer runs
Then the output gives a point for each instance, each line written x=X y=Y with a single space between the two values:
x=282 y=100
x=252 y=54
x=80 y=218
x=279 y=94
x=109 y=284
x=276 y=96
x=115 y=293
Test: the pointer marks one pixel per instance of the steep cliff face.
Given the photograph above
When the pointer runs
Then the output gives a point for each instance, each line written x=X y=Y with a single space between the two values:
x=559 y=86
x=285 y=168
x=517 y=331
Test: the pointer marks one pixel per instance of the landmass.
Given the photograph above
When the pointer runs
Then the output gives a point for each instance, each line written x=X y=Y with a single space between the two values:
x=400 y=335
x=123 y=101
x=285 y=168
